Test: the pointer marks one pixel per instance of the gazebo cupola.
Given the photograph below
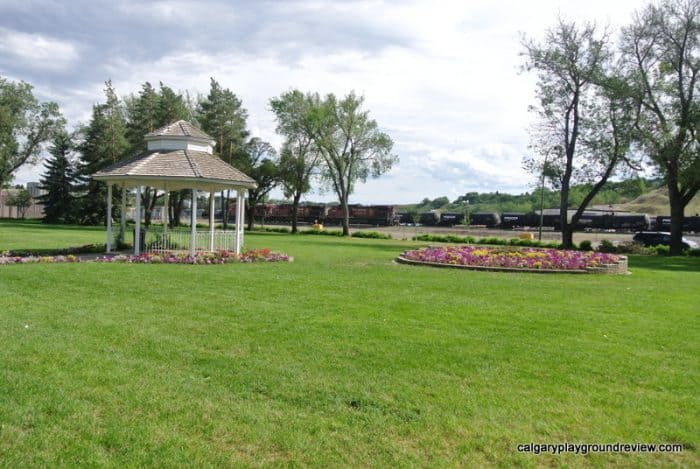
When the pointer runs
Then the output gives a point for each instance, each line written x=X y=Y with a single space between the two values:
x=178 y=156
x=180 y=135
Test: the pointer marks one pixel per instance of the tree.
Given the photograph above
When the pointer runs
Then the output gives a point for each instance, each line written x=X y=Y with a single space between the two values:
x=25 y=125
x=59 y=182
x=221 y=115
x=21 y=200
x=146 y=112
x=261 y=165
x=662 y=56
x=351 y=145
x=104 y=143
x=299 y=157
x=582 y=132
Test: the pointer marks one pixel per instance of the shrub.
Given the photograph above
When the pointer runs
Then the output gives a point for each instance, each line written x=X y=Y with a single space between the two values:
x=585 y=245
x=694 y=252
x=370 y=234
x=322 y=232
x=662 y=250
x=272 y=229
x=631 y=247
x=607 y=246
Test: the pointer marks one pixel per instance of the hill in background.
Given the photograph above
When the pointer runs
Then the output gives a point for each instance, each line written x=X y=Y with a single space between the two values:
x=656 y=202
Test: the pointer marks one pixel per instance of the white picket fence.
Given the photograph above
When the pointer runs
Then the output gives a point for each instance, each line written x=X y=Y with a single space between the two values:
x=179 y=240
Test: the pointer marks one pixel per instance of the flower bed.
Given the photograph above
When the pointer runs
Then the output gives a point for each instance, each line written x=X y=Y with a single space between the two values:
x=222 y=257
x=520 y=259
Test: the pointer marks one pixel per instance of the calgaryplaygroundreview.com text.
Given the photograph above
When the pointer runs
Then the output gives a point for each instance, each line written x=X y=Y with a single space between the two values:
x=586 y=448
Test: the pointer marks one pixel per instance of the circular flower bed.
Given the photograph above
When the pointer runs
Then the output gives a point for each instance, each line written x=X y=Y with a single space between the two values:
x=523 y=259
x=221 y=257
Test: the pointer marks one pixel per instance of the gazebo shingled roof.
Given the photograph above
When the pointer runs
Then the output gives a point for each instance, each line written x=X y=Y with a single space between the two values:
x=180 y=128
x=177 y=168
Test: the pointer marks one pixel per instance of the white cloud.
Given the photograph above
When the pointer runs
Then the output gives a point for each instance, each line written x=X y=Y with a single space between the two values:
x=441 y=78
x=37 y=50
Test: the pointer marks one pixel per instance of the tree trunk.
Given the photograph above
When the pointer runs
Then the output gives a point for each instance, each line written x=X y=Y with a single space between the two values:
x=171 y=209
x=250 y=211
x=677 y=209
x=567 y=229
x=177 y=208
x=146 y=204
x=224 y=208
x=295 y=211
x=346 y=216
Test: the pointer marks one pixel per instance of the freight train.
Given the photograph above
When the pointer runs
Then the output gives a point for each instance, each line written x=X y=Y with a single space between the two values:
x=589 y=220
x=378 y=215
x=387 y=215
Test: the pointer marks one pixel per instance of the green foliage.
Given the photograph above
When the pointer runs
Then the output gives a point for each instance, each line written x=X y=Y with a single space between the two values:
x=222 y=115
x=488 y=240
x=662 y=250
x=370 y=234
x=351 y=145
x=693 y=252
x=25 y=125
x=300 y=156
x=104 y=143
x=59 y=182
x=260 y=164
x=271 y=229
x=661 y=52
x=321 y=232
x=607 y=246
x=585 y=245
x=626 y=247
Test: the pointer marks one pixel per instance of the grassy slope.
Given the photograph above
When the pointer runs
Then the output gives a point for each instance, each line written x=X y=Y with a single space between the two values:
x=656 y=203
x=343 y=357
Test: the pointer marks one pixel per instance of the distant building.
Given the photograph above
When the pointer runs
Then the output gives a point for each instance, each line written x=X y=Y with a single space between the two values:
x=35 y=190
x=36 y=210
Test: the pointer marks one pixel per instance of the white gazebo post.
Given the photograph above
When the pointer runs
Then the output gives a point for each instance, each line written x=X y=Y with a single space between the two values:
x=211 y=221
x=166 y=207
x=122 y=224
x=193 y=233
x=239 y=221
x=243 y=195
x=109 y=218
x=137 y=216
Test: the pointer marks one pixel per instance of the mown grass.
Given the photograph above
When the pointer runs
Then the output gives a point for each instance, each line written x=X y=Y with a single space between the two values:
x=342 y=358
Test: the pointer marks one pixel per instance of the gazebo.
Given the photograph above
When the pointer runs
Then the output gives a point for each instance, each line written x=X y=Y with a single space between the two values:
x=179 y=156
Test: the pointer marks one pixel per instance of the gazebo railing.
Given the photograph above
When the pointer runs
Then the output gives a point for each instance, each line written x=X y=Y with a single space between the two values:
x=157 y=240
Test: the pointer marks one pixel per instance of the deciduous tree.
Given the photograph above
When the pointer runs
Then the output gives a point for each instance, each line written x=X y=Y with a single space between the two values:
x=351 y=145
x=300 y=157
x=662 y=56
x=259 y=161
x=582 y=133
x=25 y=125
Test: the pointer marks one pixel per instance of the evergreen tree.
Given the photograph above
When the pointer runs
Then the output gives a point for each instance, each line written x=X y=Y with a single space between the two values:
x=147 y=112
x=221 y=115
x=59 y=182
x=104 y=143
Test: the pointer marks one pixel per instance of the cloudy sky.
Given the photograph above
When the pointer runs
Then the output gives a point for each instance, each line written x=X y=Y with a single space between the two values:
x=440 y=77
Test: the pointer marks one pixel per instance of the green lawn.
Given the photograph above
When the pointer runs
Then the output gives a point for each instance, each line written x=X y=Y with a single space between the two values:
x=340 y=358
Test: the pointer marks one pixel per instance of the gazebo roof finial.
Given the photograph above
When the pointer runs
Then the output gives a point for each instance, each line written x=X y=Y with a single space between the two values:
x=180 y=128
